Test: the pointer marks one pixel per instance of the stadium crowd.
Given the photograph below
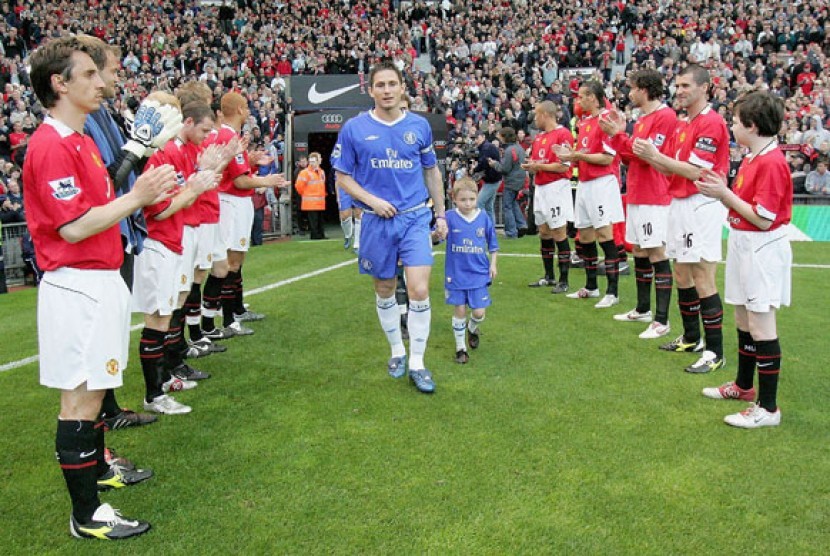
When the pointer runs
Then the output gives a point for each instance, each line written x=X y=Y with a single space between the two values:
x=489 y=67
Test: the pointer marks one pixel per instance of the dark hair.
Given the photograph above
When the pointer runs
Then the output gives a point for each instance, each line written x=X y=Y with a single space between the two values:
x=651 y=81
x=508 y=134
x=384 y=64
x=53 y=58
x=198 y=110
x=96 y=48
x=596 y=89
x=763 y=109
x=700 y=75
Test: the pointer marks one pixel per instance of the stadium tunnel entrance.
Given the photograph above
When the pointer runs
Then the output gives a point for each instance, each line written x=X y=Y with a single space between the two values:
x=317 y=131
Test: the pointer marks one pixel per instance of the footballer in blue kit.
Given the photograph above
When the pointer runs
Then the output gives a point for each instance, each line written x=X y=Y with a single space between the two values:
x=384 y=159
x=468 y=270
x=388 y=160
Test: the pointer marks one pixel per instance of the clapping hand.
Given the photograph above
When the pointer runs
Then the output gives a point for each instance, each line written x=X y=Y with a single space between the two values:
x=211 y=158
x=155 y=185
x=712 y=184
x=202 y=181
x=644 y=149
x=612 y=122
x=564 y=152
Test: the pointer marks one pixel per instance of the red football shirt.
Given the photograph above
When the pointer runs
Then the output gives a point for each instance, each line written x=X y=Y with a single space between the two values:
x=63 y=178
x=207 y=205
x=764 y=181
x=592 y=140
x=542 y=151
x=702 y=142
x=645 y=185
x=237 y=167
x=189 y=154
x=169 y=230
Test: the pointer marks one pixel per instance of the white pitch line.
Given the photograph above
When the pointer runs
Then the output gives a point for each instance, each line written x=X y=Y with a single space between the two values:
x=15 y=364
x=34 y=358
x=536 y=255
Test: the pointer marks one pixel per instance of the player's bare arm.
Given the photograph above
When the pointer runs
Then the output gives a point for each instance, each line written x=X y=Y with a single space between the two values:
x=197 y=184
x=568 y=154
x=379 y=206
x=535 y=166
x=151 y=187
x=254 y=182
x=435 y=186
x=646 y=151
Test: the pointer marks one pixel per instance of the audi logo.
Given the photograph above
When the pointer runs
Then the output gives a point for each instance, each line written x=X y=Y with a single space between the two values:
x=332 y=118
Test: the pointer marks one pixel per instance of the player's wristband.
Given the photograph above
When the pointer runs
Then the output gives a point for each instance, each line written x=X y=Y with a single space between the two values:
x=440 y=217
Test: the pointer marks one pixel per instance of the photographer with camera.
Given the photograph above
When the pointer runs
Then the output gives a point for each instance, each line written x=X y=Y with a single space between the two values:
x=483 y=170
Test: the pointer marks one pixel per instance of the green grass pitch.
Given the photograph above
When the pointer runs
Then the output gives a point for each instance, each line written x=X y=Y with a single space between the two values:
x=565 y=434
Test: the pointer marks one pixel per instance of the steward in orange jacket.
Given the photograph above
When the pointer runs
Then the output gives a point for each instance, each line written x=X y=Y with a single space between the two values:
x=311 y=185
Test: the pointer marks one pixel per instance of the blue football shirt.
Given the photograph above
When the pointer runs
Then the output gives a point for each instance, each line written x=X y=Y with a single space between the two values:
x=387 y=159
x=468 y=243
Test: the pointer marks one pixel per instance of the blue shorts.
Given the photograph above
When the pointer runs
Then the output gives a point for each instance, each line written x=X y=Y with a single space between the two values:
x=383 y=241
x=478 y=298
x=345 y=201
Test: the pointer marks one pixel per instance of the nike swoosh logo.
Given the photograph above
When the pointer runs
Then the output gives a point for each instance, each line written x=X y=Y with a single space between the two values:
x=87 y=454
x=315 y=97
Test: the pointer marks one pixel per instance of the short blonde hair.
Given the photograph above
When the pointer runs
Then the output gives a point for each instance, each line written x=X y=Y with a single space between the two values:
x=464 y=184
x=163 y=98
x=194 y=90
x=316 y=155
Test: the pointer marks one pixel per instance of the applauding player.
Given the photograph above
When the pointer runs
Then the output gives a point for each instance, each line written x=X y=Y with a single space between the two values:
x=553 y=205
x=598 y=201
x=161 y=273
x=699 y=142
x=73 y=215
x=759 y=260
x=648 y=200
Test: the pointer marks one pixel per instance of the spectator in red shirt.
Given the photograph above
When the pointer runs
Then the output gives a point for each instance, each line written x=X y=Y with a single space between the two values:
x=18 y=140
x=284 y=66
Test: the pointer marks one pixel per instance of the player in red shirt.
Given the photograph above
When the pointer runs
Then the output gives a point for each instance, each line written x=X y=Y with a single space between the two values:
x=73 y=216
x=202 y=220
x=162 y=280
x=598 y=201
x=552 y=198
x=648 y=199
x=759 y=259
x=237 y=213
x=700 y=141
